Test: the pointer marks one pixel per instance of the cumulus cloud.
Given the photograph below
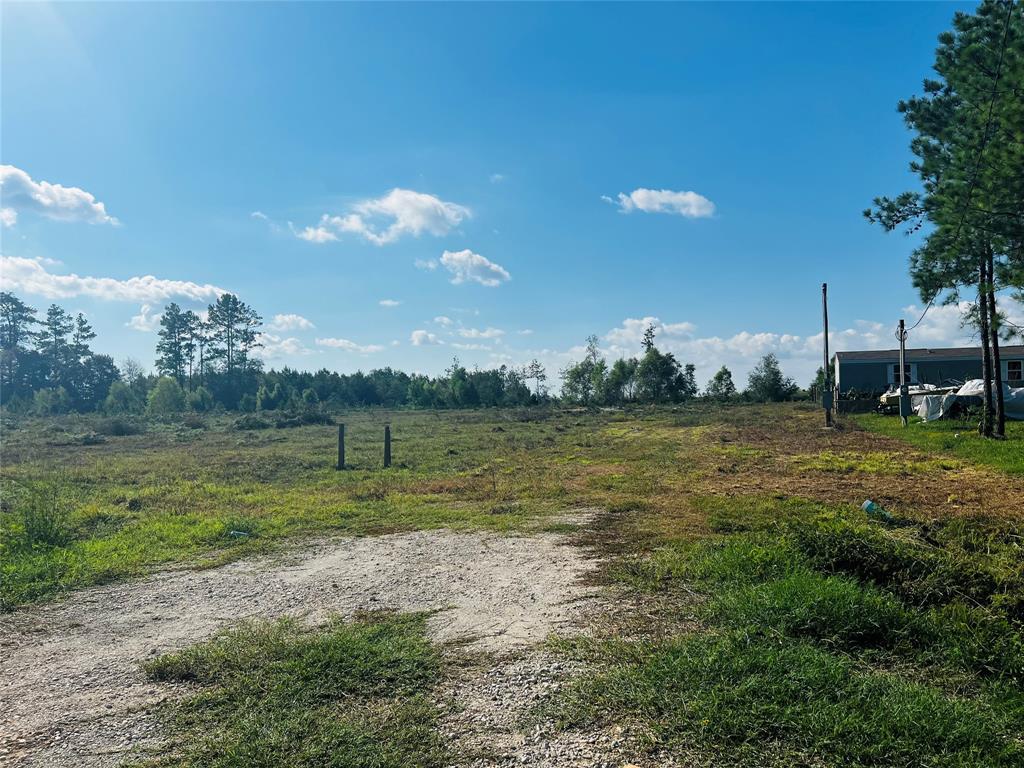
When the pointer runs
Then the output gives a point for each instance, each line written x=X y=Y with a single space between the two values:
x=20 y=193
x=349 y=346
x=799 y=355
x=467 y=266
x=389 y=302
x=443 y=320
x=320 y=234
x=475 y=333
x=290 y=322
x=421 y=338
x=276 y=347
x=428 y=265
x=386 y=219
x=631 y=332
x=31 y=276
x=146 y=321
x=688 y=204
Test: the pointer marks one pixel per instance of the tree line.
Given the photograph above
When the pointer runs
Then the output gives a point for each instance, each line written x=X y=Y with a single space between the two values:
x=658 y=377
x=208 y=361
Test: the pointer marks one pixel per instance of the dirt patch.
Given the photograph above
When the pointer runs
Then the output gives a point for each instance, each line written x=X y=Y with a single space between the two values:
x=764 y=459
x=71 y=686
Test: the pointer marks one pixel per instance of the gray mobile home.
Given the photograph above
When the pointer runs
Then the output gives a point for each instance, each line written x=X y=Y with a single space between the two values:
x=877 y=370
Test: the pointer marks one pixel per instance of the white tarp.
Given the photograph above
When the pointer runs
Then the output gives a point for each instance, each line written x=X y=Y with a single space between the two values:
x=936 y=406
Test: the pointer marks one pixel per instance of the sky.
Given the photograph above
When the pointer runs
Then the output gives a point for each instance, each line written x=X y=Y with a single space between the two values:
x=395 y=184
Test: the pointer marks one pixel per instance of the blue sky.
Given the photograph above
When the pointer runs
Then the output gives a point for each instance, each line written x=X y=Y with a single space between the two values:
x=467 y=161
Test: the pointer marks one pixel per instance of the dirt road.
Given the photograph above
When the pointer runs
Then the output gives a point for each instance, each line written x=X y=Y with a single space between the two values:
x=72 y=692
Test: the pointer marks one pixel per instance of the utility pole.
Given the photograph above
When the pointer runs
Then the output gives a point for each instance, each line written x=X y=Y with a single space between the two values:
x=901 y=334
x=826 y=392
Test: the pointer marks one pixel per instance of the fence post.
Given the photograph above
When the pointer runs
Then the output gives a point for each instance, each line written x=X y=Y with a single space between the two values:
x=387 y=446
x=341 y=447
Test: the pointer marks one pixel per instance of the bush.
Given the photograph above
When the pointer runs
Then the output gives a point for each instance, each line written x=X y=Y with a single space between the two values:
x=200 y=400
x=250 y=421
x=121 y=399
x=117 y=427
x=166 y=398
x=51 y=402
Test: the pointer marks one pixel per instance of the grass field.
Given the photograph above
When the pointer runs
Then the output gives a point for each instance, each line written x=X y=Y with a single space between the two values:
x=780 y=625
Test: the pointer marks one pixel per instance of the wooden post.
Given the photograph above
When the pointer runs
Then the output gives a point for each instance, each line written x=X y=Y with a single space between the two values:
x=387 y=446
x=341 y=447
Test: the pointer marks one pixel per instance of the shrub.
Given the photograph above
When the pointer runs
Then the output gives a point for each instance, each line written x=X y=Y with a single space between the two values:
x=117 y=427
x=166 y=398
x=51 y=402
x=250 y=421
x=200 y=400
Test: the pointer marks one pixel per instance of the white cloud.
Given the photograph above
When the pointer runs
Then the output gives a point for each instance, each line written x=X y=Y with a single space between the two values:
x=525 y=332
x=497 y=178
x=313 y=234
x=31 y=276
x=20 y=192
x=277 y=347
x=349 y=346
x=688 y=204
x=290 y=322
x=146 y=321
x=389 y=302
x=421 y=338
x=487 y=333
x=442 y=320
x=473 y=347
x=260 y=215
x=631 y=332
x=467 y=266
x=386 y=219
x=8 y=217
x=799 y=355
x=426 y=264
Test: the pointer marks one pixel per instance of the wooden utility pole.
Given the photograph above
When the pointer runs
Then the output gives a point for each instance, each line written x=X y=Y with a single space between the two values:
x=901 y=334
x=387 y=446
x=341 y=447
x=826 y=387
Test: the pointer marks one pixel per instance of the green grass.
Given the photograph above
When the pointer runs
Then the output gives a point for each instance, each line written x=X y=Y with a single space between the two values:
x=827 y=640
x=351 y=695
x=738 y=700
x=955 y=438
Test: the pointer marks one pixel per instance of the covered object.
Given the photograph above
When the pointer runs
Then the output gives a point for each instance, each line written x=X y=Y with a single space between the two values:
x=933 y=407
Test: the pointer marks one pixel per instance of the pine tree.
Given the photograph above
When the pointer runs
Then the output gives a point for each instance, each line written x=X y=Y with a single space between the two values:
x=970 y=160
x=171 y=340
x=233 y=333
x=52 y=342
x=18 y=362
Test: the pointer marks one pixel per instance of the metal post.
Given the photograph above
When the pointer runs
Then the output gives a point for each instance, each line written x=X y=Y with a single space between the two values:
x=826 y=394
x=341 y=446
x=387 y=446
x=901 y=334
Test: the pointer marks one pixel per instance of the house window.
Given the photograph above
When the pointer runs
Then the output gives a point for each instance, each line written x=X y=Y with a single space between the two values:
x=910 y=369
x=1015 y=370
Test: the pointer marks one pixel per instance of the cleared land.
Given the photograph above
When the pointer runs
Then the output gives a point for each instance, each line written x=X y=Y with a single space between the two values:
x=712 y=592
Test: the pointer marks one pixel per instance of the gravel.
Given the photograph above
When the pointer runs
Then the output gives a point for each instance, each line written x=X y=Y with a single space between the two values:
x=72 y=692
